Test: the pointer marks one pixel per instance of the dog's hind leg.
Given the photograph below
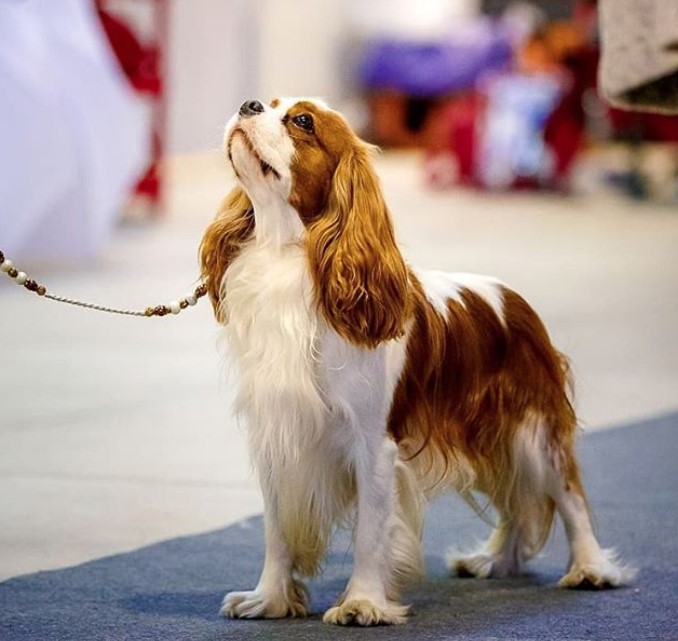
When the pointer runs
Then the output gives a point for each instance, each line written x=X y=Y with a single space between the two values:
x=406 y=555
x=590 y=565
x=545 y=478
x=517 y=489
x=501 y=555
x=548 y=465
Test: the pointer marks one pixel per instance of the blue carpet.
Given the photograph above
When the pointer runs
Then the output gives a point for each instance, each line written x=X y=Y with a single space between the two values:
x=171 y=591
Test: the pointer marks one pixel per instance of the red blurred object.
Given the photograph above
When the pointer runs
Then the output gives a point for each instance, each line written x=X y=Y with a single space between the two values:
x=143 y=63
x=455 y=144
x=565 y=129
x=635 y=127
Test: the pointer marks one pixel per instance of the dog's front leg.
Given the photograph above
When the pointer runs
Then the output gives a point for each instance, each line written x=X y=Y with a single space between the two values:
x=366 y=599
x=278 y=594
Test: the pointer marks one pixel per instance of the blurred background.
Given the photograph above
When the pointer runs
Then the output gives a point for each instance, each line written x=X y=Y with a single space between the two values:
x=499 y=157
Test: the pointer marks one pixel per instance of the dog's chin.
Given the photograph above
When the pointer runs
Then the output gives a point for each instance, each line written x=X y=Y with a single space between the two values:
x=243 y=155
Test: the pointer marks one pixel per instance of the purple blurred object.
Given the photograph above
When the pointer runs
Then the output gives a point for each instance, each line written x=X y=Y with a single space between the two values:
x=434 y=69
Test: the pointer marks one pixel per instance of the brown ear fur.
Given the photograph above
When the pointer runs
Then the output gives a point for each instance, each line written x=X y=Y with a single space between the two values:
x=360 y=277
x=223 y=239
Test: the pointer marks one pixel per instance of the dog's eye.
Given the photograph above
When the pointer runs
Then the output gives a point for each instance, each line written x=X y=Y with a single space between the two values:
x=303 y=121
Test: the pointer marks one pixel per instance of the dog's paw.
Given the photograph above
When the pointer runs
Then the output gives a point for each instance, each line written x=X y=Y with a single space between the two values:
x=480 y=566
x=364 y=612
x=483 y=565
x=598 y=574
x=264 y=604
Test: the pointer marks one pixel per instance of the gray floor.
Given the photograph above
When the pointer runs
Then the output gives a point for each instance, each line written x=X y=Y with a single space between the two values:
x=116 y=433
x=172 y=590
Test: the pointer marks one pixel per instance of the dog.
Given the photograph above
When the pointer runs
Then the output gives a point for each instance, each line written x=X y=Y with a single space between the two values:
x=368 y=386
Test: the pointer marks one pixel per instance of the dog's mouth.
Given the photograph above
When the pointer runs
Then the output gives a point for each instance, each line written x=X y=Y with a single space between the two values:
x=265 y=167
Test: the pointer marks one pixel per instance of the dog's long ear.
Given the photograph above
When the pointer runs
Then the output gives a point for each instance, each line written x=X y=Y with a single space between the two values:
x=223 y=239
x=360 y=277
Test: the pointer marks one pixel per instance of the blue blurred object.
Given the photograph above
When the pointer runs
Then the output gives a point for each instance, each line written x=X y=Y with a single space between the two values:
x=426 y=70
x=513 y=146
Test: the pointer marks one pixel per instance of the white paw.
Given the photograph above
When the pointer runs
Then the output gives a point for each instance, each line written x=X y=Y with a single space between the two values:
x=474 y=565
x=260 y=604
x=600 y=573
x=365 y=612
x=483 y=565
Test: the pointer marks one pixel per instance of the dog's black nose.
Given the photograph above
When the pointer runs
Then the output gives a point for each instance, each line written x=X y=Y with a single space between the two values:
x=251 y=107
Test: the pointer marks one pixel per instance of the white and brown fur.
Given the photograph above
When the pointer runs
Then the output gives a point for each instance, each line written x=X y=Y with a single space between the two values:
x=368 y=387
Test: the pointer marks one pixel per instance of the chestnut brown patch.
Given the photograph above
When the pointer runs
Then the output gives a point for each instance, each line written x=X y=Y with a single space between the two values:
x=223 y=241
x=360 y=278
x=471 y=382
x=317 y=155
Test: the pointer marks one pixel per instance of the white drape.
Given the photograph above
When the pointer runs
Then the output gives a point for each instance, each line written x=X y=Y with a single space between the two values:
x=73 y=136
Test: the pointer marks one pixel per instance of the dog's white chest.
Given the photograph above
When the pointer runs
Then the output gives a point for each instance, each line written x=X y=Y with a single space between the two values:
x=267 y=295
x=273 y=337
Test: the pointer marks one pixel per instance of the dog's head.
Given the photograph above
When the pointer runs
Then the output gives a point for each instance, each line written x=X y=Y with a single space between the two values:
x=290 y=150
x=301 y=153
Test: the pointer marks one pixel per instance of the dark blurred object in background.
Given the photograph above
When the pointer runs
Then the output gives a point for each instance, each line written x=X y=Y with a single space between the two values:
x=639 y=67
x=552 y=9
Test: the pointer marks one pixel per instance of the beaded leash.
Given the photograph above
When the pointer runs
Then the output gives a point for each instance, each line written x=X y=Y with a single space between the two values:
x=21 y=278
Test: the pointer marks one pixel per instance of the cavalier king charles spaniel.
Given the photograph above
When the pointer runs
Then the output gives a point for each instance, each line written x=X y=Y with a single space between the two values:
x=368 y=386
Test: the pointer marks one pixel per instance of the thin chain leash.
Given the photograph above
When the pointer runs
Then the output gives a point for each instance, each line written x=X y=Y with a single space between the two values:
x=174 y=307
